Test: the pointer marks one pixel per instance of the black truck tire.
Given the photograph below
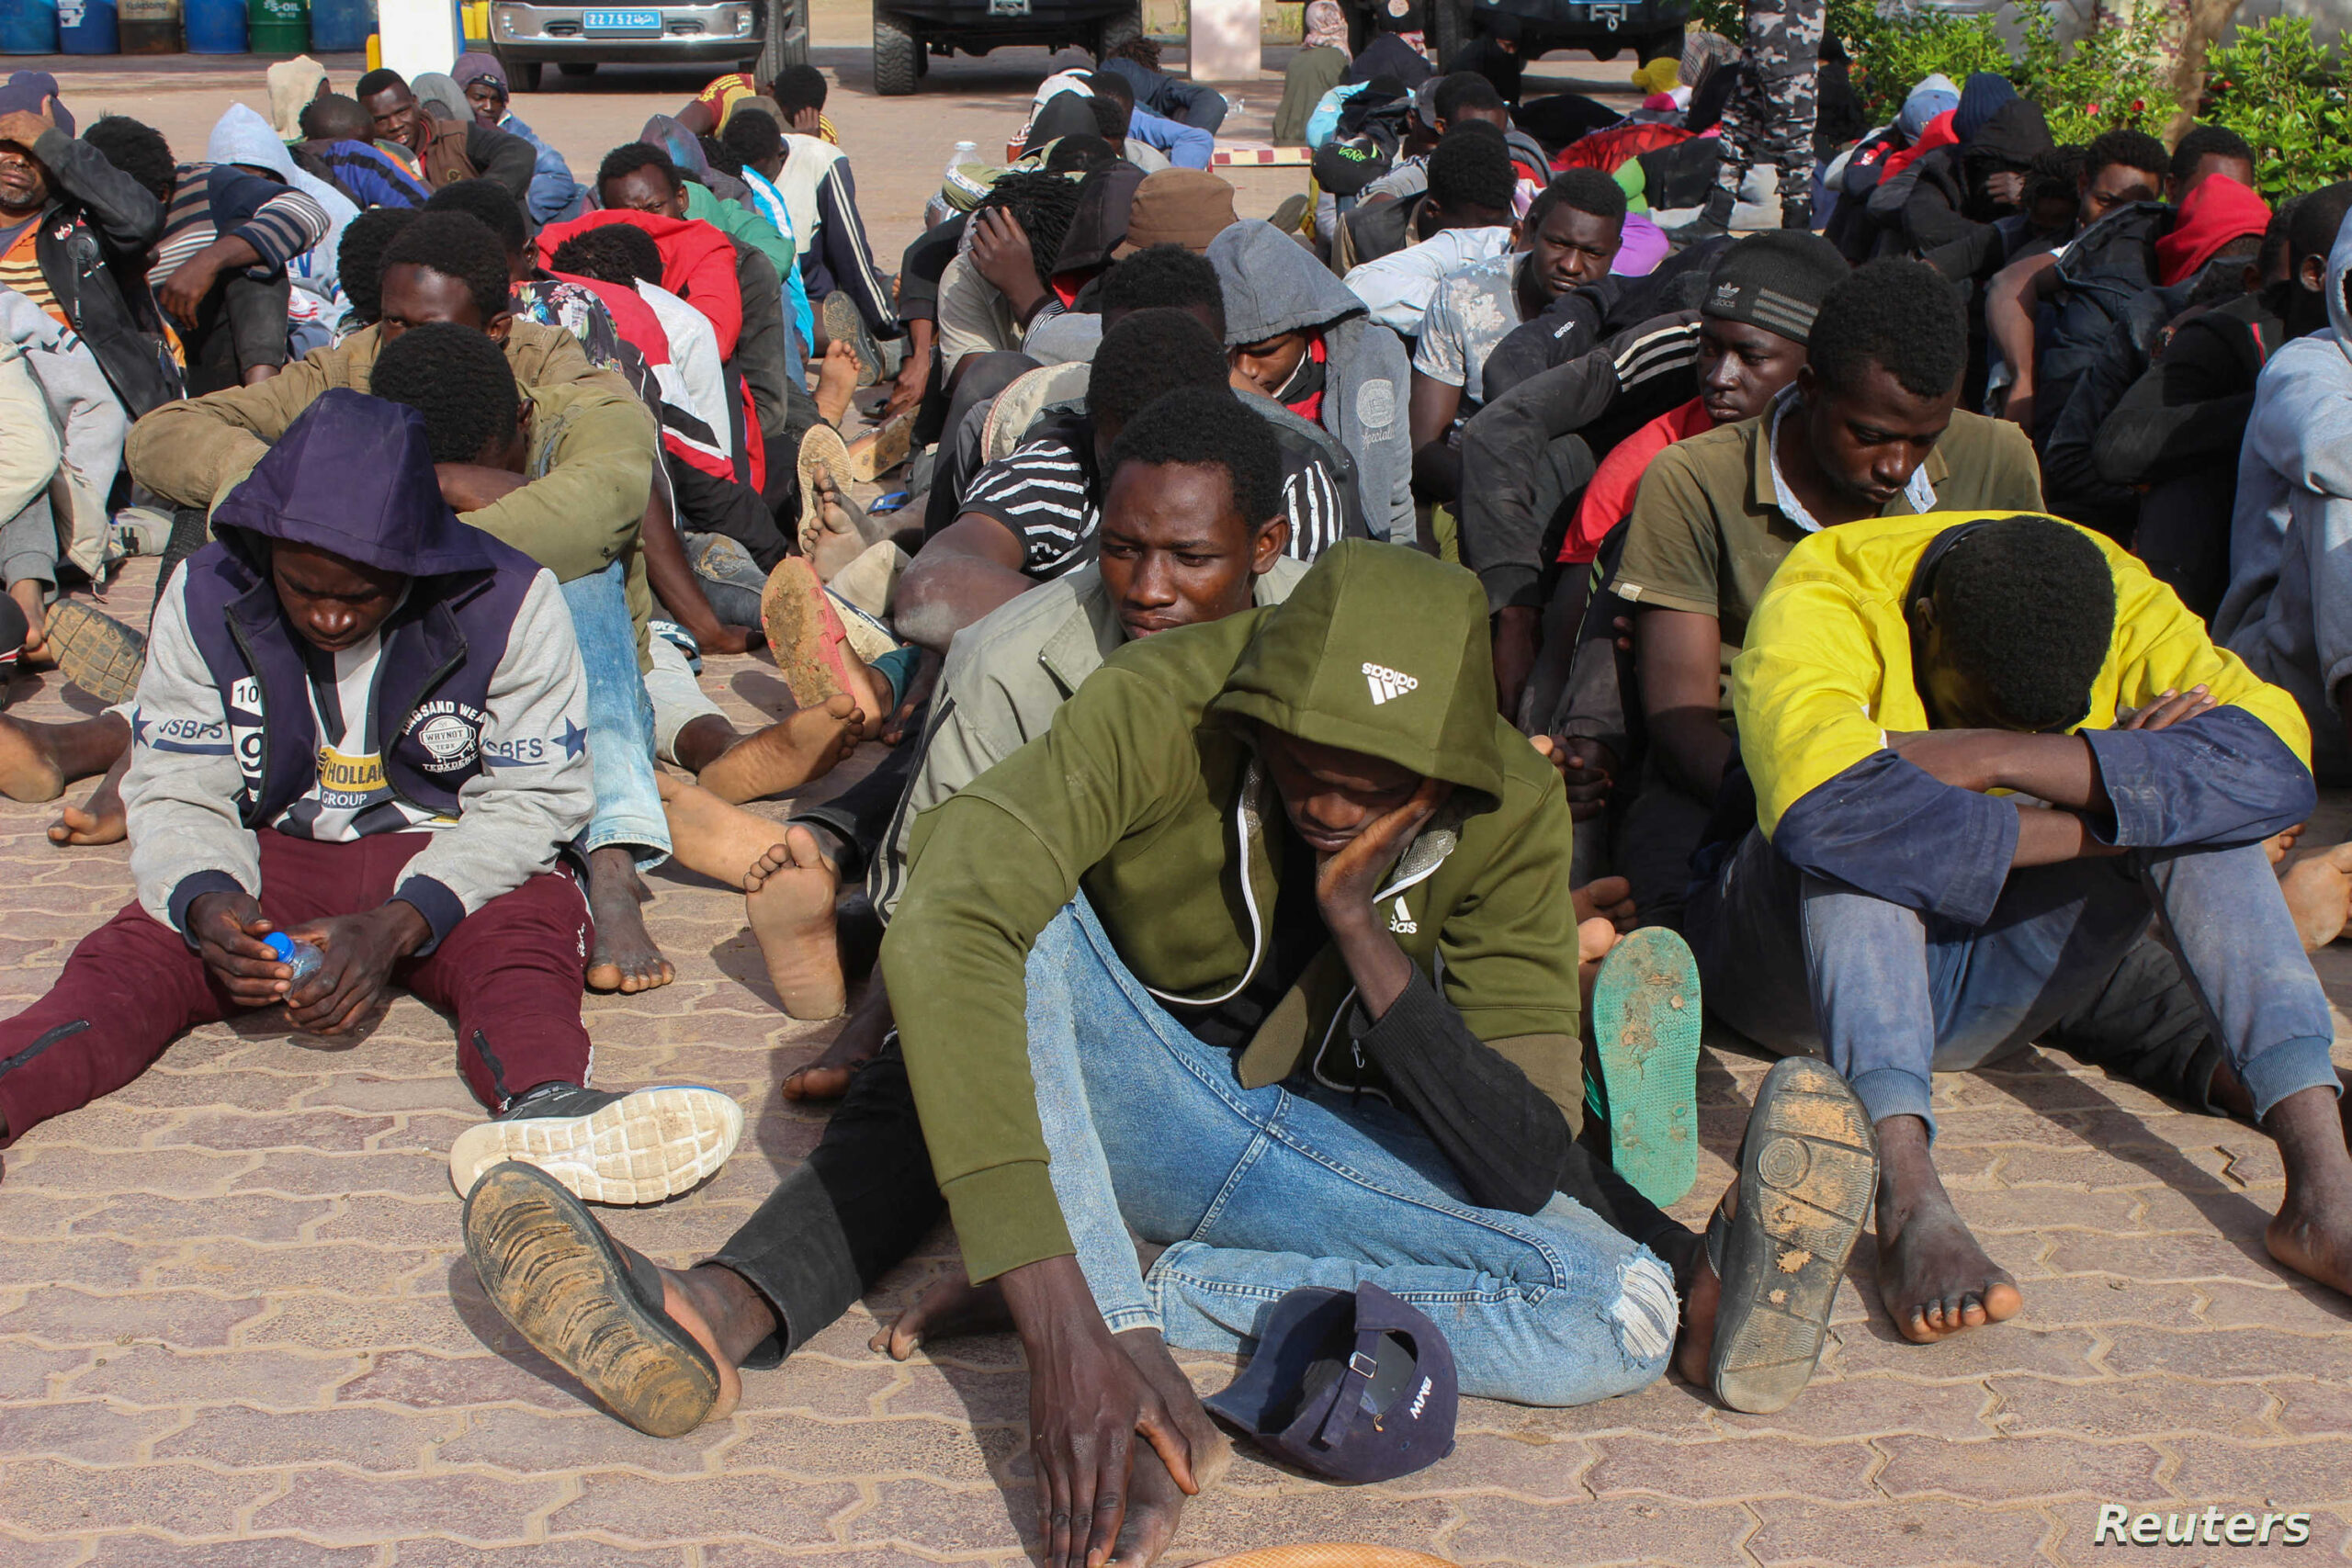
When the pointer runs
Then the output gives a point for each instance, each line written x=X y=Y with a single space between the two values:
x=523 y=75
x=1449 y=31
x=896 y=51
x=1118 y=28
x=787 y=39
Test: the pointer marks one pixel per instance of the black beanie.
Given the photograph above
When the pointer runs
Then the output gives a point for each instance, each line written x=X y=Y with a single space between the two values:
x=1776 y=280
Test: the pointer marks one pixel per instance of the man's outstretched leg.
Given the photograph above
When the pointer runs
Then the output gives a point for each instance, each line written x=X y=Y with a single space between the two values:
x=2240 y=947
x=660 y=1347
x=1780 y=949
x=38 y=761
x=513 y=980
x=628 y=833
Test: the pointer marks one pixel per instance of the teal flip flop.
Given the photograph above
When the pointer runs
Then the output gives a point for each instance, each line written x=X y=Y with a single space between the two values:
x=1646 y=1024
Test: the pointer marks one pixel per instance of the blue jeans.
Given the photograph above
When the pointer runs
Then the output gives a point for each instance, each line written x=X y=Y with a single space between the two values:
x=1262 y=1191
x=1802 y=964
x=620 y=720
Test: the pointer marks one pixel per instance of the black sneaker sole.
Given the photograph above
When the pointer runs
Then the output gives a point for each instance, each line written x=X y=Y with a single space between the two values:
x=566 y=1286
x=1808 y=1171
x=96 y=651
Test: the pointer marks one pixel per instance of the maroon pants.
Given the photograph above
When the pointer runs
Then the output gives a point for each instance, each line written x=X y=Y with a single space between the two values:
x=511 y=972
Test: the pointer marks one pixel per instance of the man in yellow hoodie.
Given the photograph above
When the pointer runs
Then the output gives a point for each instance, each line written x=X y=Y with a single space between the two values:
x=1902 y=906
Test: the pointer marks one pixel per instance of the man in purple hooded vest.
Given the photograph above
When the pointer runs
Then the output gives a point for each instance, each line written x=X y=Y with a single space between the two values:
x=362 y=725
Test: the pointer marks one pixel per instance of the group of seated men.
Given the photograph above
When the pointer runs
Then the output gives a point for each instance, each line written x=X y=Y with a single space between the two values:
x=1339 y=727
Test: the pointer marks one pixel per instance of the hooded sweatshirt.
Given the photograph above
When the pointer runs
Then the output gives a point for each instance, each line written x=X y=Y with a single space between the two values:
x=2218 y=212
x=1825 y=673
x=1273 y=286
x=697 y=264
x=1147 y=793
x=478 y=699
x=241 y=135
x=2288 y=610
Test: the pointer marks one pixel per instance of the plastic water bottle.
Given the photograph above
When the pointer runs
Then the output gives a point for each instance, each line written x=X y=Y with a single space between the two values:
x=301 y=956
x=965 y=153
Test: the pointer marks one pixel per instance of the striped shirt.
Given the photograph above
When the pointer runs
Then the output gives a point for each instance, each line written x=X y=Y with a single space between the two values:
x=213 y=200
x=1045 y=493
x=369 y=176
x=20 y=267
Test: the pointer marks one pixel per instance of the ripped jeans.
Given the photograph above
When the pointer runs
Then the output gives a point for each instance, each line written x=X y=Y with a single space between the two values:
x=1259 y=1192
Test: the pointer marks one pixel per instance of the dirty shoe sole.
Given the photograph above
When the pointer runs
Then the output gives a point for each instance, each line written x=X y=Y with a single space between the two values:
x=1807 y=1174
x=805 y=633
x=821 y=448
x=645 y=1146
x=569 y=1289
x=1646 y=1022
x=96 y=651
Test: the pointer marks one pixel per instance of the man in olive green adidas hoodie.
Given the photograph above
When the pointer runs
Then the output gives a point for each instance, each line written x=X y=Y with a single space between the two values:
x=1302 y=835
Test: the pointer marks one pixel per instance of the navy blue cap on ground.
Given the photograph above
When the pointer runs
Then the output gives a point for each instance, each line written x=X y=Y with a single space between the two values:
x=1353 y=1385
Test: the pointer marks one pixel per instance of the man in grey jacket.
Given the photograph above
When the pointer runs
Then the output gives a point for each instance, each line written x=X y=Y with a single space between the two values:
x=1292 y=332
x=361 y=728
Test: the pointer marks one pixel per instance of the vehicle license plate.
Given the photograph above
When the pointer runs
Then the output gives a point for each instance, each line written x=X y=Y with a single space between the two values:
x=610 y=22
x=1008 y=7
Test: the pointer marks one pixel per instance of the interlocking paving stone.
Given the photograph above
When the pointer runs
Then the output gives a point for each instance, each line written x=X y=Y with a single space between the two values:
x=237 y=1329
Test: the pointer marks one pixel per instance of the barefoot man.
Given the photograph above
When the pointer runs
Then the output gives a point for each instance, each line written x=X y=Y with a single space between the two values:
x=1893 y=911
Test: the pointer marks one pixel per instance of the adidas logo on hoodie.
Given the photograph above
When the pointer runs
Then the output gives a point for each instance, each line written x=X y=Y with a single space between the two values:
x=1386 y=684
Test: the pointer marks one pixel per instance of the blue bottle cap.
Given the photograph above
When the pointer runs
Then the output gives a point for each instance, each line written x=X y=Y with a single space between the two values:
x=281 y=944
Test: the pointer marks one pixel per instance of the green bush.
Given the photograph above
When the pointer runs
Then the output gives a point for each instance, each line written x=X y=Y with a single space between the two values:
x=2118 y=75
x=2277 y=87
x=1892 y=55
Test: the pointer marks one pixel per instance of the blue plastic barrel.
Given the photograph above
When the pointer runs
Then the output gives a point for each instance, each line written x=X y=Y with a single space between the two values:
x=215 y=27
x=27 y=27
x=87 y=27
x=341 y=26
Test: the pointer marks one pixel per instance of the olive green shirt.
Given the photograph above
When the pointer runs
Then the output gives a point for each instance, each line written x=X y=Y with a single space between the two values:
x=1707 y=533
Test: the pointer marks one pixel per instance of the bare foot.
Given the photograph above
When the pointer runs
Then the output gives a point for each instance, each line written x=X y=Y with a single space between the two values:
x=788 y=900
x=846 y=534
x=622 y=956
x=2318 y=889
x=2312 y=1232
x=103 y=821
x=29 y=598
x=1155 y=1507
x=1696 y=1341
x=708 y=835
x=804 y=745
x=1934 y=1278
x=1610 y=897
x=28 y=765
x=836 y=380
x=682 y=1302
x=952 y=1307
x=861 y=1038
x=1212 y=1450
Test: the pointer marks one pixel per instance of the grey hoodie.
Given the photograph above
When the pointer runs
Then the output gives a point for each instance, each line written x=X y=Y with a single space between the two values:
x=242 y=137
x=2288 y=610
x=1272 y=285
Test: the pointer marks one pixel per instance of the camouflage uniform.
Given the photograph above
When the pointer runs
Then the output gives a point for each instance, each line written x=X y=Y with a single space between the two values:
x=1770 y=117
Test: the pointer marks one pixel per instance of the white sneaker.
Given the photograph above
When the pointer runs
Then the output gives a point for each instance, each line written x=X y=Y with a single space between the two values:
x=607 y=1147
